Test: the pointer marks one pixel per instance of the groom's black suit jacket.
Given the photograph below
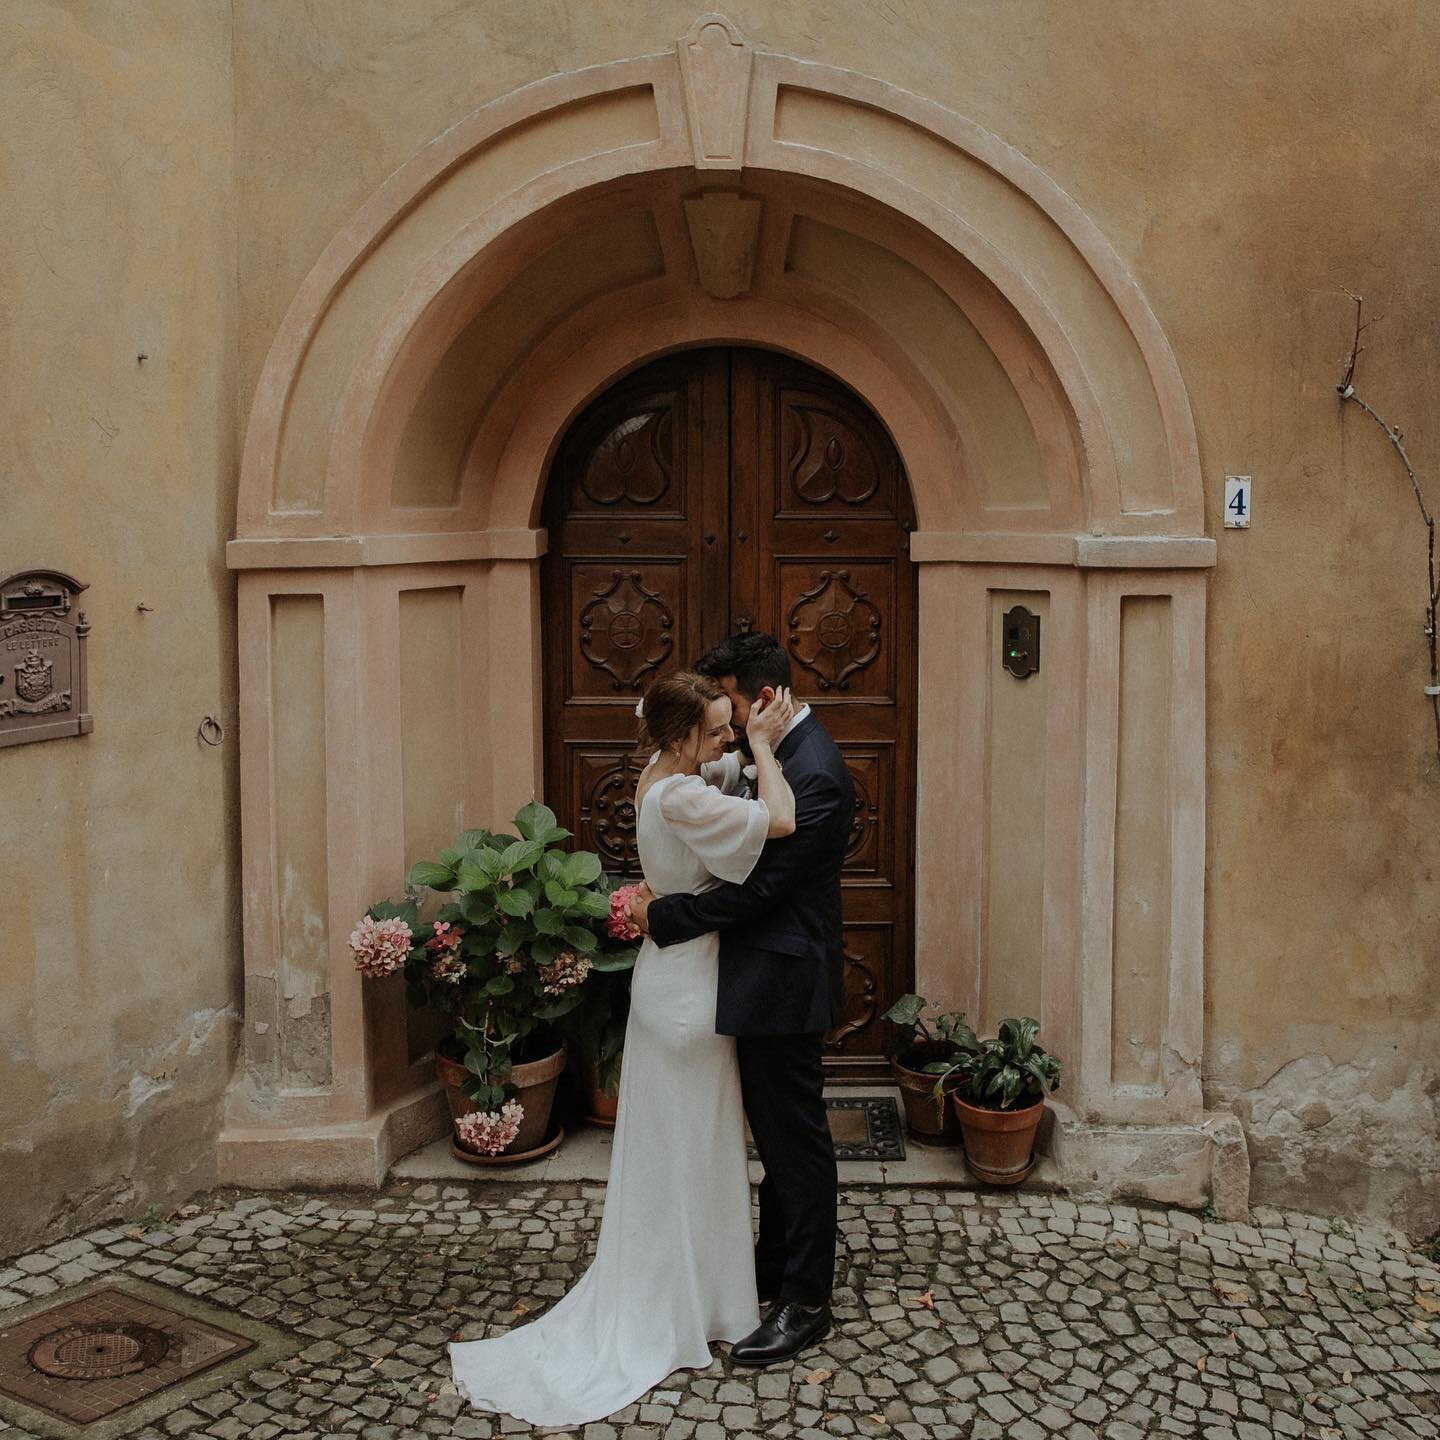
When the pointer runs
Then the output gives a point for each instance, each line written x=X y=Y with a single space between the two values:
x=781 y=952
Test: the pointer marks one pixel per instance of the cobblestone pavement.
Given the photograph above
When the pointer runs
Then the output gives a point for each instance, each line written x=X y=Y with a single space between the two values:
x=958 y=1314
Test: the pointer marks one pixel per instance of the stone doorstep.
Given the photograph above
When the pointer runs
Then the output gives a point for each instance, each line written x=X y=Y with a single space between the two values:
x=585 y=1156
x=1185 y=1165
x=1189 y=1164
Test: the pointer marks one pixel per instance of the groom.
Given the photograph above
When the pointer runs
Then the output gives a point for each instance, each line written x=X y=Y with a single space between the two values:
x=780 y=991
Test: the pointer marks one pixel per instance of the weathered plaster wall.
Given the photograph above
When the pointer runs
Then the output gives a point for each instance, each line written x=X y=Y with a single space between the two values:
x=119 y=934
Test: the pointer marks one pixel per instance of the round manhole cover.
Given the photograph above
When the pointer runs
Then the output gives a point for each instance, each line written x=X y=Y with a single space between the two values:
x=98 y=1352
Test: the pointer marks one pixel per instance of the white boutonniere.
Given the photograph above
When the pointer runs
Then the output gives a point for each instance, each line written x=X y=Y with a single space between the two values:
x=751 y=779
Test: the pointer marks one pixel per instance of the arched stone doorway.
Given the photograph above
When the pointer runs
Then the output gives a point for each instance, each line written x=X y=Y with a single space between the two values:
x=387 y=527
x=731 y=489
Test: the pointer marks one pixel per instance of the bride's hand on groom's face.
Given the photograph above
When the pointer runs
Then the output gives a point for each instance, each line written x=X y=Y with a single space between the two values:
x=766 y=726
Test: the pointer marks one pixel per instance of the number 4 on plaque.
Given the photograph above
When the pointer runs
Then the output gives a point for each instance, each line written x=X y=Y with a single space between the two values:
x=1237 y=502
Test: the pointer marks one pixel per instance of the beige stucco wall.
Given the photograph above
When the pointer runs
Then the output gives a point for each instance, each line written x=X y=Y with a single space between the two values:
x=1246 y=162
x=119 y=937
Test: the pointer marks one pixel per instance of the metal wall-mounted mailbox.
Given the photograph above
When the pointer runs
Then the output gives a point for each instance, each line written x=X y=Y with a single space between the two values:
x=1020 y=633
x=42 y=658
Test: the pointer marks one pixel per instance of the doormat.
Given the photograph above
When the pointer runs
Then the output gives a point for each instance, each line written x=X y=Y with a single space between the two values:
x=107 y=1357
x=863 y=1127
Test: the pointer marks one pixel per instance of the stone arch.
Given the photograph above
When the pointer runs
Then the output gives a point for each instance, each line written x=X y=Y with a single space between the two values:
x=372 y=312
x=401 y=431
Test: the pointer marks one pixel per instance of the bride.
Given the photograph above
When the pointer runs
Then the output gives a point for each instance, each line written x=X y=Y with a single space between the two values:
x=673 y=1263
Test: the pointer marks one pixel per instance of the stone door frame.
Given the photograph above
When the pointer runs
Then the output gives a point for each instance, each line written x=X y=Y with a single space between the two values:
x=732 y=133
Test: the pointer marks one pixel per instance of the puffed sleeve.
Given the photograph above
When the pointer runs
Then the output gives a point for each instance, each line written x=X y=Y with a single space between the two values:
x=725 y=774
x=726 y=832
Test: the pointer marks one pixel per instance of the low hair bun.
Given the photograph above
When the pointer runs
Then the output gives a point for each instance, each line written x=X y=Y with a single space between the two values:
x=674 y=705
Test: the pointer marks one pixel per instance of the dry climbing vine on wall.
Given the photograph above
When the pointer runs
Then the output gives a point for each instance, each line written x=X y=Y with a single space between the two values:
x=1346 y=390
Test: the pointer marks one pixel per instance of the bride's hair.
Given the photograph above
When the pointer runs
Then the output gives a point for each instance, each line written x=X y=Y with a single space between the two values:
x=674 y=705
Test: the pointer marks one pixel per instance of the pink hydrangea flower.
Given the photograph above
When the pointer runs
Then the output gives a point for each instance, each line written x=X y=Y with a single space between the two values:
x=564 y=972
x=448 y=967
x=380 y=946
x=488 y=1132
x=446 y=936
x=619 y=925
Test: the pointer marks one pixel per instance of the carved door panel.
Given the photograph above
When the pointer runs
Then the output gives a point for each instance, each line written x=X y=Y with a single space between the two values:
x=718 y=490
x=820 y=524
x=632 y=582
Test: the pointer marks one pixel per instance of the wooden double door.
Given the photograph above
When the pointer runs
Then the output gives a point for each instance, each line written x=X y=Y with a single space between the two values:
x=726 y=490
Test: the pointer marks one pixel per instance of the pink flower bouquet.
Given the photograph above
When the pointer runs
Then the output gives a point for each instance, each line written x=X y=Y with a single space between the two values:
x=619 y=925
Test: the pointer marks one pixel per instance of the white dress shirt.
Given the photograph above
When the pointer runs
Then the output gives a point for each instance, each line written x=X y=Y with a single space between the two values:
x=795 y=719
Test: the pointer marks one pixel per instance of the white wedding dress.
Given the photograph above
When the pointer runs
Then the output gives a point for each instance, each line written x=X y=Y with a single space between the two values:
x=673 y=1267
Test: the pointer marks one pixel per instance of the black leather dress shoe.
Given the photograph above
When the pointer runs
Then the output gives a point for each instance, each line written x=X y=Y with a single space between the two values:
x=784 y=1332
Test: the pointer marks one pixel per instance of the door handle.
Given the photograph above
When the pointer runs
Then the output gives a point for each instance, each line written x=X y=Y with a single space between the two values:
x=744 y=624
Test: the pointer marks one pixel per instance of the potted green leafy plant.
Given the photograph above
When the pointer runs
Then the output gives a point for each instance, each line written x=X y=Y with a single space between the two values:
x=919 y=1045
x=997 y=1090
x=506 y=959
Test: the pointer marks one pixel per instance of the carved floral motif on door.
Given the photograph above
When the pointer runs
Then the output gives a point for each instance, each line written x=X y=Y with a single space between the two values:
x=833 y=630
x=626 y=630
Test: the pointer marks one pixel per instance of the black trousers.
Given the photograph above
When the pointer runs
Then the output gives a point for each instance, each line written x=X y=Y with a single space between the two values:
x=783 y=1088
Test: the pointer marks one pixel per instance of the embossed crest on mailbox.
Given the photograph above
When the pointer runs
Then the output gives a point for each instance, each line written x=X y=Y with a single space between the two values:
x=42 y=658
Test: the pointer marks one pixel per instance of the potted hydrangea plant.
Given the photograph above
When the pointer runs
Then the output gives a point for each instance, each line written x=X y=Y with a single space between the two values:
x=506 y=958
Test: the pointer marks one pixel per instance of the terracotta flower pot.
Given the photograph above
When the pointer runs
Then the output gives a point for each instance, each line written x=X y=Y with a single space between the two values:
x=600 y=1108
x=999 y=1144
x=928 y=1119
x=534 y=1081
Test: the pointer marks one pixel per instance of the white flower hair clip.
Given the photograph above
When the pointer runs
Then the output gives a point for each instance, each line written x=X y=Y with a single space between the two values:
x=640 y=708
